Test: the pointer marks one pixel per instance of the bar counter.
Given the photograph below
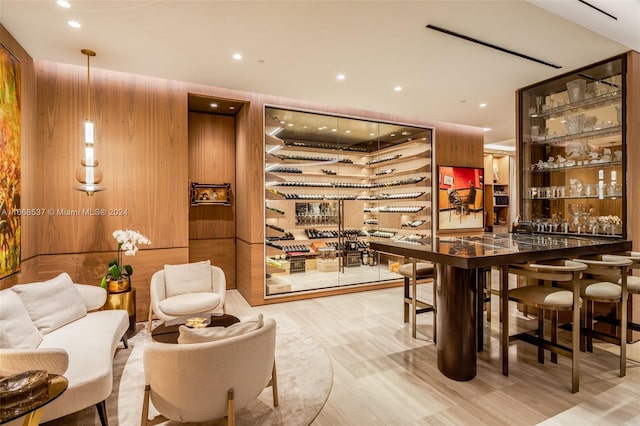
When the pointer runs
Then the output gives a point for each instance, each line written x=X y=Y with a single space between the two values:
x=460 y=262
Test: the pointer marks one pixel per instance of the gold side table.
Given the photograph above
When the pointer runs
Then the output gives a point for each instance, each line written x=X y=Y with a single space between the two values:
x=126 y=301
x=33 y=412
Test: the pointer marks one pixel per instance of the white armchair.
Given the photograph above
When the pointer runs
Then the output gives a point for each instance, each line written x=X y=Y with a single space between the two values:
x=187 y=289
x=197 y=382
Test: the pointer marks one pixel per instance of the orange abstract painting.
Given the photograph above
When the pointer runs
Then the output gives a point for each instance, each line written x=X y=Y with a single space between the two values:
x=9 y=163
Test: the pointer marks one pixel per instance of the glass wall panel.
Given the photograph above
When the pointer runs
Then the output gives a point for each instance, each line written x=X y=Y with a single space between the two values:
x=331 y=183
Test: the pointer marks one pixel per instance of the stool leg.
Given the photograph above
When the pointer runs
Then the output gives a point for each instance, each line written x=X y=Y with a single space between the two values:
x=487 y=294
x=554 y=334
x=406 y=296
x=590 y=325
x=504 y=311
x=540 y=335
x=623 y=326
x=414 y=298
x=575 y=335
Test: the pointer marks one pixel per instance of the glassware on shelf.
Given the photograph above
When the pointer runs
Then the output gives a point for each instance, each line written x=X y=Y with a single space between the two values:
x=576 y=89
x=574 y=124
x=576 y=188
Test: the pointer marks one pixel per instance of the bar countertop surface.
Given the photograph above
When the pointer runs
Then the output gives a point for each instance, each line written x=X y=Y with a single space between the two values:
x=458 y=262
x=489 y=249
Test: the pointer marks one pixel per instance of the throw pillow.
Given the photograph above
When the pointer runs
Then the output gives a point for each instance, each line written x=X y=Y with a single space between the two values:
x=188 y=278
x=211 y=334
x=53 y=303
x=16 y=329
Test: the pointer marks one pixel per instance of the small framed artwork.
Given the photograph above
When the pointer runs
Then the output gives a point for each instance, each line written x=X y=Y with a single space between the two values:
x=210 y=194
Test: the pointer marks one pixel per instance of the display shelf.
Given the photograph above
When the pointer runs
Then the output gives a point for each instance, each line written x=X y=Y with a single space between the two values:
x=588 y=135
x=400 y=172
x=394 y=209
x=272 y=144
x=273 y=195
x=271 y=177
x=342 y=175
x=396 y=159
x=391 y=197
x=576 y=167
x=592 y=190
x=582 y=197
x=273 y=212
x=312 y=158
x=349 y=185
x=283 y=170
x=579 y=106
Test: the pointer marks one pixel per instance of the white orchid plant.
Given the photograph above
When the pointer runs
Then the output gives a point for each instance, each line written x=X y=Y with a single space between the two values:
x=128 y=241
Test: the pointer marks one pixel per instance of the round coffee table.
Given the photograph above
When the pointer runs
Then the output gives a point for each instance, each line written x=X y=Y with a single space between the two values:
x=170 y=333
x=32 y=412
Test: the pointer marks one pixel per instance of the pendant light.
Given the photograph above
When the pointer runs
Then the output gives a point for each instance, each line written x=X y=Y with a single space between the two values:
x=88 y=175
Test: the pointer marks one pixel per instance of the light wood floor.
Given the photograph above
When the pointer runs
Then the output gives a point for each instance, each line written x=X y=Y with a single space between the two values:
x=382 y=376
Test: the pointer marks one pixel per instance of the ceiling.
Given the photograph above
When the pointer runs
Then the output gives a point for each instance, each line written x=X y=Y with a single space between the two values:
x=296 y=49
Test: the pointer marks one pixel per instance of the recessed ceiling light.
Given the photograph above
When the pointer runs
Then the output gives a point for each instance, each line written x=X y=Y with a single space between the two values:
x=347 y=131
x=398 y=88
x=486 y=129
x=63 y=3
x=483 y=105
x=340 y=77
x=237 y=56
x=213 y=105
x=392 y=134
x=372 y=134
x=232 y=107
x=290 y=124
x=282 y=122
x=74 y=24
x=405 y=133
x=334 y=130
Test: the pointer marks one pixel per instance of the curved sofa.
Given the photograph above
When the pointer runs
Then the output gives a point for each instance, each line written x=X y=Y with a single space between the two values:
x=79 y=344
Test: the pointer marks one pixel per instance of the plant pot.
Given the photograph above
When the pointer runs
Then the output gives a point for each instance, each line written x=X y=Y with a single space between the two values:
x=119 y=285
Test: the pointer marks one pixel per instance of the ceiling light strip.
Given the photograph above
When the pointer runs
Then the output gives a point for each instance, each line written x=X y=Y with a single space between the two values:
x=598 y=9
x=492 y=46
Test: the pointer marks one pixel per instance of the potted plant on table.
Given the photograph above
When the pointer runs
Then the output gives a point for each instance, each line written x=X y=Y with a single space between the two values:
x=118 y=277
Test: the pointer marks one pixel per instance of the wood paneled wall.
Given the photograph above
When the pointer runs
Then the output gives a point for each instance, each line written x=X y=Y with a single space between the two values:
x=212 y=160
x=212 y=229
x=141 y=146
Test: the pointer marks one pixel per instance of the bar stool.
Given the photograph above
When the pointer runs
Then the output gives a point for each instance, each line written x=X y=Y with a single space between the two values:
x=412 y=272
x=605 y=272
x=547 y=298
x=633 y=286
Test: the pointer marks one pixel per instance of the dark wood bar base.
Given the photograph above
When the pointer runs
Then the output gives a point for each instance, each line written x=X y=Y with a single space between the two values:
x=456 y=325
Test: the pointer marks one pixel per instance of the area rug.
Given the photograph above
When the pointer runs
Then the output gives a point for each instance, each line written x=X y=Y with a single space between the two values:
x=305 y=376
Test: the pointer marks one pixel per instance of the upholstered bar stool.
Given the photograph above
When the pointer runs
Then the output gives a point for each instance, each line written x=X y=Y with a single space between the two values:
x=633 y=285
x=412 y=272
x=600 y=284
x=547 y=298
